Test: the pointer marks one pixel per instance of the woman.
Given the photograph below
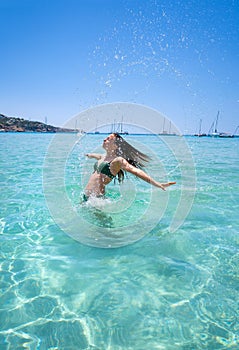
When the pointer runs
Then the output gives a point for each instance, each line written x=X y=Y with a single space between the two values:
x=120 y=156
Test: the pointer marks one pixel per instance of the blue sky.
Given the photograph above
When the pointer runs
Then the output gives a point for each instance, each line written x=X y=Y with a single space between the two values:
x=59 y=58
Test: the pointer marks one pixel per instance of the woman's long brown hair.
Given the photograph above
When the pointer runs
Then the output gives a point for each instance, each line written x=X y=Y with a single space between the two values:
x=129 y=153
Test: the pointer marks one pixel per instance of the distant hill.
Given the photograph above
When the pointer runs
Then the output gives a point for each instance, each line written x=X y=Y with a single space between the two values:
x=13 y=124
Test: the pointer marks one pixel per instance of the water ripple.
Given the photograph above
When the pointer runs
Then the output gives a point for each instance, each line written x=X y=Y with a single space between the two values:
x=167 y=291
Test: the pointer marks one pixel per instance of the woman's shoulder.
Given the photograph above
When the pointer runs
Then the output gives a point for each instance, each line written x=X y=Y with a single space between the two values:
x=121 y=162
x=118 y=160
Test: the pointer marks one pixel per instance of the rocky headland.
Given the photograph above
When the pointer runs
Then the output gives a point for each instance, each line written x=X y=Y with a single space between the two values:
x=13 y=124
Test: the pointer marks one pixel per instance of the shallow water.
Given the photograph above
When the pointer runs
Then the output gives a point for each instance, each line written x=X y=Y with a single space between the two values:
x=167 y=290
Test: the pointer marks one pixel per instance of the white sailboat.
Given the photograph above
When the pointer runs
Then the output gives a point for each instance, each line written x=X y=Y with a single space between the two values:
x=213 y=129
x=214 y=132
x=164 y=131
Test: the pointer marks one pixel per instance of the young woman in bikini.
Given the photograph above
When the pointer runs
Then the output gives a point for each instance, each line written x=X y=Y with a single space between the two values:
x=120 y=156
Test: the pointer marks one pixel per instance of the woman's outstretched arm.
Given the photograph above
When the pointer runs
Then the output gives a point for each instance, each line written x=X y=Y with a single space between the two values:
x=94 y=155
x=142 y=175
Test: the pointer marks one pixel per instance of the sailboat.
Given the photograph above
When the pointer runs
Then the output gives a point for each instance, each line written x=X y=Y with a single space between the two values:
x=200 y=134
x=225 y=135
x=213 y=129
x=119 y=128
x=122 y=132
x=165 y=132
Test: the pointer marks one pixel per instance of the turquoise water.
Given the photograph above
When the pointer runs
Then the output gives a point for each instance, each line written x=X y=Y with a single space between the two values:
x=168 y=290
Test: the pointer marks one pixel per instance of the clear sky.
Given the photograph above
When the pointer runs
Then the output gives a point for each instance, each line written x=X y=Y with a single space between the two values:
x=180 y=57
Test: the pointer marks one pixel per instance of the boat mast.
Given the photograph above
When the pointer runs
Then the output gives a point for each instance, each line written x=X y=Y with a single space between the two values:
x=200 y=127
x=216 y=123
x=121 y=125
x=163 y=131
x=237 y=128
x=211 y=128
